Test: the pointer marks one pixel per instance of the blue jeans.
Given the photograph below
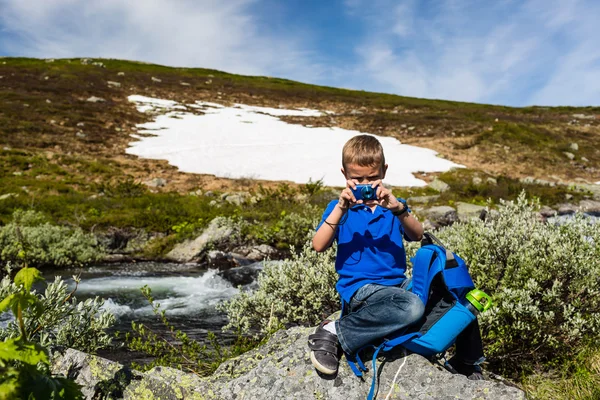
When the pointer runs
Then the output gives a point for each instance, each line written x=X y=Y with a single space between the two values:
x=376 y=311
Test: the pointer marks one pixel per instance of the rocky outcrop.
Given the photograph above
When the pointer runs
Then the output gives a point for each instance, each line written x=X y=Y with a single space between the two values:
x=280 y=369
x=190 y=249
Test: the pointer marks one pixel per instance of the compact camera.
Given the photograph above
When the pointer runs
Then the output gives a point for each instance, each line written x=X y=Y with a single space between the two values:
x=365 y=192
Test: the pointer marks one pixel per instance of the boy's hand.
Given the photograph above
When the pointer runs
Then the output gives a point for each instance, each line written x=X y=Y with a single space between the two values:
x=347 y=198
x=385 y=198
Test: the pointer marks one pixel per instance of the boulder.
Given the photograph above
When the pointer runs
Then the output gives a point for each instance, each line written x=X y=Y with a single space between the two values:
x=155 y=183
x=547 y=212
x=467 y=211
x=566 y=209
x=256 y=253
x=279 y=369
x=590 y=207
x=222 y=260
x=441 y=215
x=244 y=275
x=190 y=249
x=98 y=377
x=422 y=199
x=439 y=185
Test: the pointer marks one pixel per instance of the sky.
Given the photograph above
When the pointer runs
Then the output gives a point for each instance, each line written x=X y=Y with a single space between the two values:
x=510 y=52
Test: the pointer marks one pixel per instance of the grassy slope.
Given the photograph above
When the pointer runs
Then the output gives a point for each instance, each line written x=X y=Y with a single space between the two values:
x=58 y=151
x=88 y=180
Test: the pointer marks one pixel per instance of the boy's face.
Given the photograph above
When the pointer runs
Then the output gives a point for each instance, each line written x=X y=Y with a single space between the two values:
x=361 y=174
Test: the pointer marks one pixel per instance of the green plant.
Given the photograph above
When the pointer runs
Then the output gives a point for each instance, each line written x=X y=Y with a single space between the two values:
x=313 y=188
x=178 y=350
x=59 y=319
x=288 y=229
x=300 y=290
x=543 y=278
x=578 y=379
x=29 y=238
x=24 y=364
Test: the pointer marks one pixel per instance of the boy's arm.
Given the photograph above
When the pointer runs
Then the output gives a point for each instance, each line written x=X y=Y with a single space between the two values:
x=413 y=229
x=326 y=232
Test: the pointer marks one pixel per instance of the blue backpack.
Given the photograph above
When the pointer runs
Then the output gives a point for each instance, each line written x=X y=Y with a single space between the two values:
x=441 y=280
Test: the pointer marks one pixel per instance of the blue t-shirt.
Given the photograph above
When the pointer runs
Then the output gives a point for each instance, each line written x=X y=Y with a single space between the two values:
x=370 y=248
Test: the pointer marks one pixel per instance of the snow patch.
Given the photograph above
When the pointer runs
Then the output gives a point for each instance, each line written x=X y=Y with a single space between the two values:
x=252 y=142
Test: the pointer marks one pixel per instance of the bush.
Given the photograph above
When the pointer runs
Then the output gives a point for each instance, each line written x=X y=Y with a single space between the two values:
x=290 y=229
x=29 y=238
x=544 y=279
x=59 y=319
x=24 y=364
x=300 y=290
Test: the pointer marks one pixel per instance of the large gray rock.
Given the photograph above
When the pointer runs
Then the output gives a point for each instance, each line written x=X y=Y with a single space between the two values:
x=441 y=215
x=590 y=207
x=190 y=249
x=98 y=377
x=467 y=211
x=422 y=199
x=439 y=185
x=281 y=369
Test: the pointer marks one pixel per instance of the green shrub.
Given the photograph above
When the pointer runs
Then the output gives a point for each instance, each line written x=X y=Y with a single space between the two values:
x=29 y=238
x=300 y=290
x=176 y=349
x=24 y=363
x=544 y=279
x=59 y=319
x=290 y=229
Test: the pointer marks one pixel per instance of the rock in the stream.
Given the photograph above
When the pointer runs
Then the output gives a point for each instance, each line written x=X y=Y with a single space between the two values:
x=188 y=250
x=243 y=275
x=280 y=369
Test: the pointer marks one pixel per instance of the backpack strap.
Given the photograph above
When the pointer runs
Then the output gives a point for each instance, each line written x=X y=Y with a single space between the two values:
x=420 y=274
x=374 y=380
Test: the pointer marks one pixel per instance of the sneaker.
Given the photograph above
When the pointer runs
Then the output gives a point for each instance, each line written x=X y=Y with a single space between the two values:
x=325 y=350
x=472 y=372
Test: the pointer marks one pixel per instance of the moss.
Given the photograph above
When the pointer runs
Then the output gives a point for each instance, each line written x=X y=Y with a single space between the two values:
x=103 y=370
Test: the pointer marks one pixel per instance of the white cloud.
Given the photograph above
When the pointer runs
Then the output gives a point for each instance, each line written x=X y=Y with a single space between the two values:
x=541 y=52
x=199 y=33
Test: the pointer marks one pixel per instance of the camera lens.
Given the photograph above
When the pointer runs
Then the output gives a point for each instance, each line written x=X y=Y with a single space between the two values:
x=367 y=192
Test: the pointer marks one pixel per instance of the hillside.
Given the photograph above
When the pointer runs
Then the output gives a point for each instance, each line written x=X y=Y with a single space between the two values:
x=43 y=101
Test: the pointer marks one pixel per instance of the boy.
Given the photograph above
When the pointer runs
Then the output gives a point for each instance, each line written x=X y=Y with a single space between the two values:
x=371 y=262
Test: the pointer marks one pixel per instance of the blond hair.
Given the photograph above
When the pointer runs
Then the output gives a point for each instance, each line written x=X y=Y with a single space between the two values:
x=363 y=150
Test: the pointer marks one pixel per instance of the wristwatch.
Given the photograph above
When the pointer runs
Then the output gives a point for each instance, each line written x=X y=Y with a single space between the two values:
x=404 y=209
